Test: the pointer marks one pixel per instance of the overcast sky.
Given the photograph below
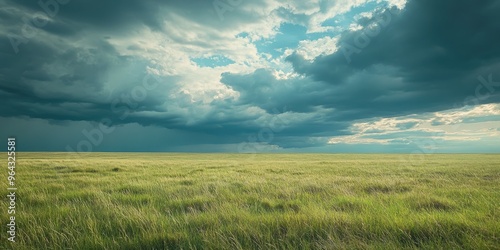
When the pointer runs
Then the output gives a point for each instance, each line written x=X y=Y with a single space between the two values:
x=251 y=76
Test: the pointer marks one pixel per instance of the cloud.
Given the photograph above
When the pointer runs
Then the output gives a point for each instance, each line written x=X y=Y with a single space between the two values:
x=469 y=115
x=418 y=62
x=422 y=130
x=176 y=65
x=311 y=49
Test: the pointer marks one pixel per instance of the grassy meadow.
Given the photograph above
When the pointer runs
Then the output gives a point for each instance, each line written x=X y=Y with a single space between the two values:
x=264 y=201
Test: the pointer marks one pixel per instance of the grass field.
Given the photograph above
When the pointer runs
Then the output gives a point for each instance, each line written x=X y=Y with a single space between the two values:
x=268 y=201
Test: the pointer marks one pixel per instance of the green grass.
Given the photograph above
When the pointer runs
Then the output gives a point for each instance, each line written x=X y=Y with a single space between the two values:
x=266 y=201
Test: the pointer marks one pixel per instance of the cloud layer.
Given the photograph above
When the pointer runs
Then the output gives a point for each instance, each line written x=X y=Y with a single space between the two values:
x=213 y=75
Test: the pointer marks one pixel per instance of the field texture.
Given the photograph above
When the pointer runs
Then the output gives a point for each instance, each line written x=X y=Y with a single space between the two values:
x=265 y=201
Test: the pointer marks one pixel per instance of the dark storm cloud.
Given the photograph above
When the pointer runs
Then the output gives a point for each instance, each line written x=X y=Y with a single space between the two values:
x=122 y=16
x=76 y=77
x=108 y=15
x=426 y=58
x=262 y=89
x=43 y=81
x=68 y=70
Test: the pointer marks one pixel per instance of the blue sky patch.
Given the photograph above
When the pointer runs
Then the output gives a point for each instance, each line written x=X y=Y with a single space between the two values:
x=212 y=61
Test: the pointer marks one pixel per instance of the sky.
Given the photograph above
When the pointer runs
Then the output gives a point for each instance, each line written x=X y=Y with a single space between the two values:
x=345 y=76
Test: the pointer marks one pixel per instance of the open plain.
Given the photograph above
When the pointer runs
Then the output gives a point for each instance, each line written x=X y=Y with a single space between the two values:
x=262 y=201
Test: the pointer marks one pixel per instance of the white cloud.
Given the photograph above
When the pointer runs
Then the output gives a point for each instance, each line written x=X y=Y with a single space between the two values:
x=450 y=126
x=356 y=139
x=457 y=116
x=398 y=3
x=311 y=49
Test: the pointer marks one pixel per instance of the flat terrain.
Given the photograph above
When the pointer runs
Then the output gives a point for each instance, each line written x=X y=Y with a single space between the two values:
x=265 y=201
